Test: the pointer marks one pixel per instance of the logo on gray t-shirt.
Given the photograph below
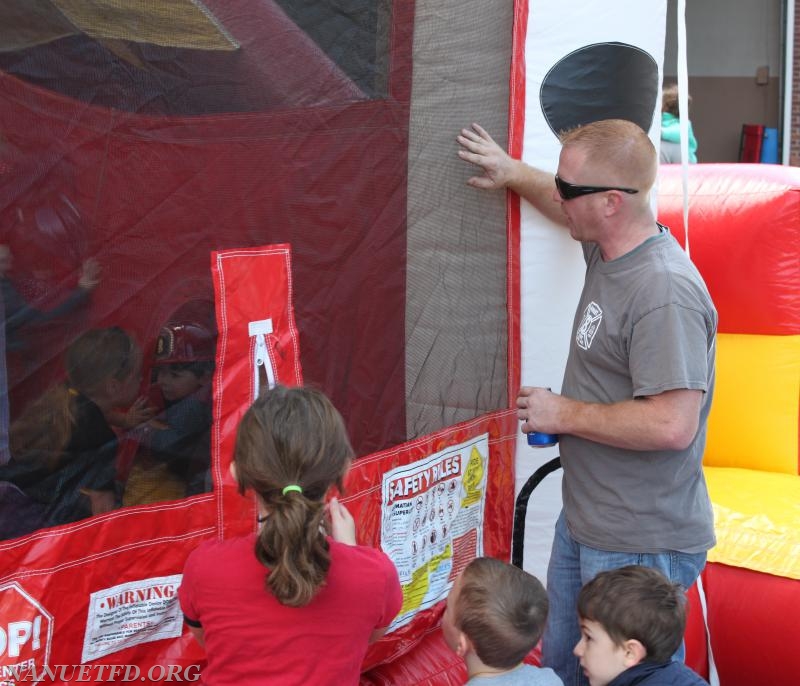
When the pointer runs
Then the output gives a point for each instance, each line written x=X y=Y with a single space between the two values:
x=592 y=316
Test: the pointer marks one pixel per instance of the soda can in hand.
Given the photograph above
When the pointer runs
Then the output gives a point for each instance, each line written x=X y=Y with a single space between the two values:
x=538 y=439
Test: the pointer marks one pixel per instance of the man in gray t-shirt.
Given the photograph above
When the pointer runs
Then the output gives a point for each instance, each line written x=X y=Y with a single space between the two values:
x=639 y=377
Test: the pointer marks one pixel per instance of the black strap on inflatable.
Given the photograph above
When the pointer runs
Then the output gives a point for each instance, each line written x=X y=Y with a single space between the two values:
x=521 y=508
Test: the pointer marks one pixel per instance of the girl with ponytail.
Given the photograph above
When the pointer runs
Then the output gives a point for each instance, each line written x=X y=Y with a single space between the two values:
x=297 y=602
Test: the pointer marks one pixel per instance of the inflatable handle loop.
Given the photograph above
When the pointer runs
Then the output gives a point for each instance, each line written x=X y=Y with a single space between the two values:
x=261 y=358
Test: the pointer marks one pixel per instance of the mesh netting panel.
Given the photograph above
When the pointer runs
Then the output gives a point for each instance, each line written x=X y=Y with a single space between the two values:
x=456 y=324
x=135 y=139
x=129 y=155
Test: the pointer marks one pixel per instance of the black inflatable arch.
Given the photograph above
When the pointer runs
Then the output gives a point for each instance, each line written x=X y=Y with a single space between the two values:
x=600 y=81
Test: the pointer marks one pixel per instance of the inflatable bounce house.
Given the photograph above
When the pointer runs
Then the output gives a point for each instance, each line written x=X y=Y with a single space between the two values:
x=744 y=236
x=270 y=189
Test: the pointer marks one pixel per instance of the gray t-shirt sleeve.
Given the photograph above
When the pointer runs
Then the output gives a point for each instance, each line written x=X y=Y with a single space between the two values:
x=669 y=351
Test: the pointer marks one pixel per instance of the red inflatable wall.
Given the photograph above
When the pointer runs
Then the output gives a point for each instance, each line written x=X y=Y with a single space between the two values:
x=744 y=237
x=283 y=201
x=322 y=170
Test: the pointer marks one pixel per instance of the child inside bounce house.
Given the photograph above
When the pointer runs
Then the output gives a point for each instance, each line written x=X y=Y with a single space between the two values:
x=174 y=449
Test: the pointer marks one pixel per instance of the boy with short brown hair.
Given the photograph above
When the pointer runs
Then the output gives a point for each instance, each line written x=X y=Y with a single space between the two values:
x=632 y=622
x=495 y=615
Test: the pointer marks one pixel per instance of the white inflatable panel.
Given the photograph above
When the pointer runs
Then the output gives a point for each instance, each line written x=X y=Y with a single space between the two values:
x=551 y=263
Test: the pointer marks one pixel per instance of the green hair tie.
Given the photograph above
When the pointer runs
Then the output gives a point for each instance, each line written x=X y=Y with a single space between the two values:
x=291 y=487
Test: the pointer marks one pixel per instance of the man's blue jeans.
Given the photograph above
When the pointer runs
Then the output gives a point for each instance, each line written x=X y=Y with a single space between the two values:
x=572 y=565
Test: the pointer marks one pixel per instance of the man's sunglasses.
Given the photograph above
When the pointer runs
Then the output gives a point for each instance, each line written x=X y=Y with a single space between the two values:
x=568 y=191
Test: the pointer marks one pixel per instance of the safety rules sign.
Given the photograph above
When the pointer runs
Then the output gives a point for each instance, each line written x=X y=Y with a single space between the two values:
x=432 y=521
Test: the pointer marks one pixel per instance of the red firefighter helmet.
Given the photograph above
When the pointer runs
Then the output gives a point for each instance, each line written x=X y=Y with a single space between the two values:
x=184 y=342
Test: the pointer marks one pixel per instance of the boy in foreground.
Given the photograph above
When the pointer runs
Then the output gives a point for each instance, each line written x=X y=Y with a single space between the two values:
x=495 y=615
x=632 y=622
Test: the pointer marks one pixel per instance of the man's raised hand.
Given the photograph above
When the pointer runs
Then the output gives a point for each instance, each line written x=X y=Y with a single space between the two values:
x=480 y=149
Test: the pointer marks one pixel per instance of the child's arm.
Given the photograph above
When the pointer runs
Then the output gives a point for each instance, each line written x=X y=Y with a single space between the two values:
x=185 y=420
x=343 y=526
x=343 y=529
x=138 y=413
x=19 y=312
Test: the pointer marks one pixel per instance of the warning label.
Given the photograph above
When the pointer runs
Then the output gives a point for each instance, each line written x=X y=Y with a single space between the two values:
x=130 y=614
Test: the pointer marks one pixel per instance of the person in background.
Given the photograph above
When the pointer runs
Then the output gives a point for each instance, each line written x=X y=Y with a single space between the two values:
x=16 y=313
x=63 y=448
x=37 y=222
x=19 y=313
x=671 y=129
x=174 y=448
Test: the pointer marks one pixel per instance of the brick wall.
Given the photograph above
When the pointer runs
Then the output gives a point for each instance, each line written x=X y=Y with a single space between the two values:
x=794 y=158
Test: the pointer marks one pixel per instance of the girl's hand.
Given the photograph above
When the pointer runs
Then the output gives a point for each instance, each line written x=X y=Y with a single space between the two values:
x=140 y=412
x=343 y=526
